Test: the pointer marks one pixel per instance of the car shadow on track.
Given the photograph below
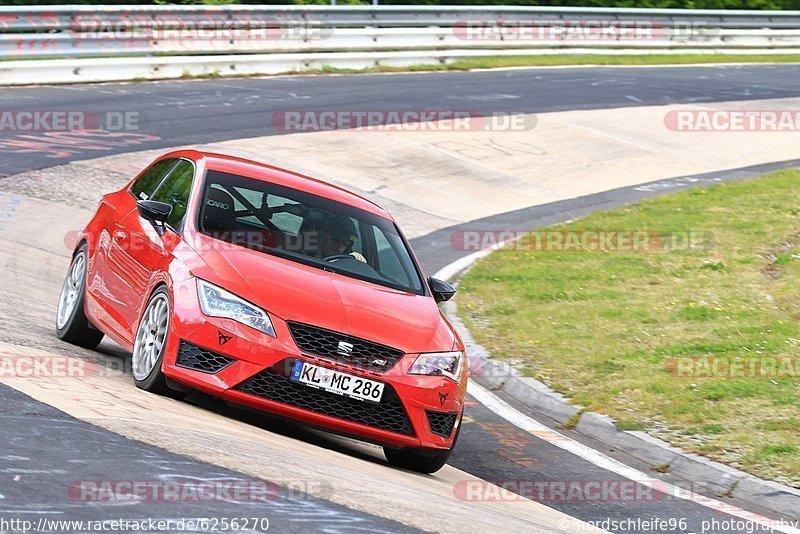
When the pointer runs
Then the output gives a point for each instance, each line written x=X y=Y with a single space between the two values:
x=112 y=357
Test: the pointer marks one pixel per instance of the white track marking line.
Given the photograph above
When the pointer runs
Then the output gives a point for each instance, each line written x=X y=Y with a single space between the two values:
x=528 y=424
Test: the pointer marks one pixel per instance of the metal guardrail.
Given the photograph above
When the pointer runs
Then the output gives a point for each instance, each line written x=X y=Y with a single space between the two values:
x=108 y=31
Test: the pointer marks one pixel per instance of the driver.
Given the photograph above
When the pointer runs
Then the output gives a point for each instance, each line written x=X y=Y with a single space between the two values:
x=336 y=237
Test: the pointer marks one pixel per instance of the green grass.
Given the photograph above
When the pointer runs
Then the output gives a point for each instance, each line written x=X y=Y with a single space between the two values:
x=213 y=75
x=490 y=62
x=629 y=425
x=600 y=327
x=493 y=62
x=590 y=59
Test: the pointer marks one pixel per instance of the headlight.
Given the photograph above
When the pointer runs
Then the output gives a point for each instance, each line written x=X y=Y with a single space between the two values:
x=216 y=302
x=439 y=364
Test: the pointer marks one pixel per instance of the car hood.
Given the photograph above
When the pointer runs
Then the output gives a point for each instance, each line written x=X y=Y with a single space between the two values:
x=296 y=292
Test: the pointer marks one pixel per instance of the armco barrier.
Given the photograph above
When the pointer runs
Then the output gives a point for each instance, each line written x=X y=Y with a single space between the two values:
x=215 y=39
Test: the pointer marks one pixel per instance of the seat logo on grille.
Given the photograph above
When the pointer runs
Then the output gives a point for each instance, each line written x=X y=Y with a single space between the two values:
x=344 y=348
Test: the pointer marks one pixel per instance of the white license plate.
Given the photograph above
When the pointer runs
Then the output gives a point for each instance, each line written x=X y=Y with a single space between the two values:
x=337 y=382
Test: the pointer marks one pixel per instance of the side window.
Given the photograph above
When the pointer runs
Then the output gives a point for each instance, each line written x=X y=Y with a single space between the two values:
x=143 y=188
x=284 y=220
x=175 y=190
x=391 y=263
x=254 y=198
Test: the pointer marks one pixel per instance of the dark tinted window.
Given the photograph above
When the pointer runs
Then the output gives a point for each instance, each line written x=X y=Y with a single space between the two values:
x=143 y=188
x=175 y=190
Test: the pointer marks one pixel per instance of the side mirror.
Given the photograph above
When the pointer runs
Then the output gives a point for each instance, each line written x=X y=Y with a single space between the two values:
x=155 y=212
x=442 y=291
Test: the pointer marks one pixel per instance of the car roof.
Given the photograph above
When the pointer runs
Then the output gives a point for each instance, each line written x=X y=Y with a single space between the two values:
x=277 y=175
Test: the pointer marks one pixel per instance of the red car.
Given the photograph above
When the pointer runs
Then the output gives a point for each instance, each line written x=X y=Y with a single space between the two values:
x=275 y=291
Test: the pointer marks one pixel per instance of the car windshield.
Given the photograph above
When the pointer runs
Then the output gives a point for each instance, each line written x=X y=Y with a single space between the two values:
x=307 y=228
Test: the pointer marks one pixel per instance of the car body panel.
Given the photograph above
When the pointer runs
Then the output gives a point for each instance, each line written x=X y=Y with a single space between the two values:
x=286 y=289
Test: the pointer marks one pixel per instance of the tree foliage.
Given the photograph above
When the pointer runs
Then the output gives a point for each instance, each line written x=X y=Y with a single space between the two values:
x=678 y=4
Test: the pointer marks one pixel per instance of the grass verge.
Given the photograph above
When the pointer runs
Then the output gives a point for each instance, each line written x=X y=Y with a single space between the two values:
x=493 y=62
x=607 y=328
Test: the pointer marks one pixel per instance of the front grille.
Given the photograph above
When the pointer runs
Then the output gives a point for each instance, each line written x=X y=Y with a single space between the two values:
x=441 y=423
x=274 y=384
x=325 y=343
x=193 y=357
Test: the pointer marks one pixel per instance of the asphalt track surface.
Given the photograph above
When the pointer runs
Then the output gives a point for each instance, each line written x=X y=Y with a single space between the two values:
x=52 y=448
x=176 y=113
x=52 y=451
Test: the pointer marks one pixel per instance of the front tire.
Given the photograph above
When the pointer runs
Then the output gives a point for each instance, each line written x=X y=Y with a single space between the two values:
x=424 y=461
x=72 y=325
x=150 y=345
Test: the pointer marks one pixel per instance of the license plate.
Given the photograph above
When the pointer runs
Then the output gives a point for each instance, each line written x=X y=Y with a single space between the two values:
x=337 y=382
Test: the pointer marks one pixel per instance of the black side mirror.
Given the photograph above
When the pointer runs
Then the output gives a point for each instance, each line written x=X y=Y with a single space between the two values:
x=442 y=291
x=155 y=212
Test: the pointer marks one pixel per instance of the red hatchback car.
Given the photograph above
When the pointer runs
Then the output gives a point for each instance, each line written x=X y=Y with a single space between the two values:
x=275 y=291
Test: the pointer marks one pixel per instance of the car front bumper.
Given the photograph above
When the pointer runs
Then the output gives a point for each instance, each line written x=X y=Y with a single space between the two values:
x=249 y=368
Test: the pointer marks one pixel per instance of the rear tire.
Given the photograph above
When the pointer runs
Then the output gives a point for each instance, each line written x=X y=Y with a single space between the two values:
x=424 y=461
x=150 y=345
x=72 y=325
